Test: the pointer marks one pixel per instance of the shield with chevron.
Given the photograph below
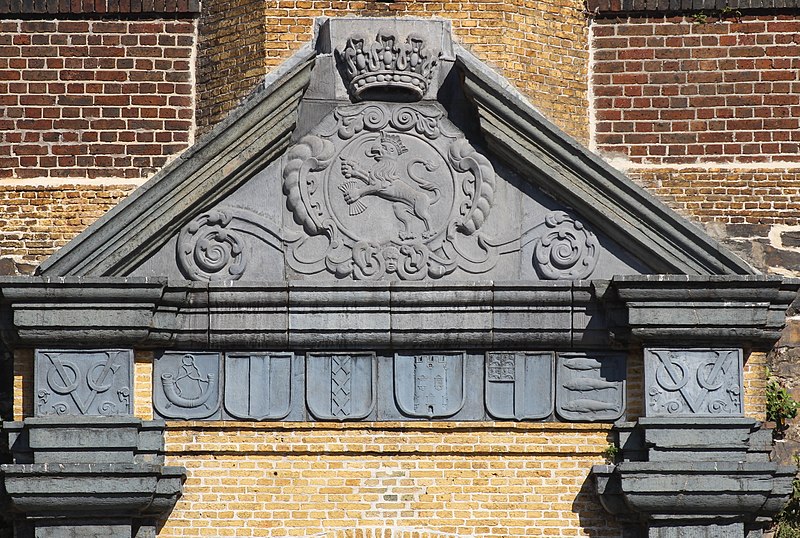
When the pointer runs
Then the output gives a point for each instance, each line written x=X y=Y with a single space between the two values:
x=340 y=386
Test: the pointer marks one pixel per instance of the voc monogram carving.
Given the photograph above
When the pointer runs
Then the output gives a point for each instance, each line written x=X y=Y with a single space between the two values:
x=392 y=193
x=84 y=382
x=187 y=385
x=693 y=382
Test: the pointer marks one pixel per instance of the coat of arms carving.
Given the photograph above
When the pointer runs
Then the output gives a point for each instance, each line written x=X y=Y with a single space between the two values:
x=394 y=190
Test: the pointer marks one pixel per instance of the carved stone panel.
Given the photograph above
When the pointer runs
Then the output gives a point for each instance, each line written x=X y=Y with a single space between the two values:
x=394 y=191
x=429 y=385
x=258 y=385
x=84 y=382
x=187 y=385
x=590 y=386
x=519 y=385
x=681 y=382
x=341 y=386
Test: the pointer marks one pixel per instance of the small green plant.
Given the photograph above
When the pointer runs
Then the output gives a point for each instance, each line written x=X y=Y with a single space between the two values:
x=780 y=406
x=788 y=521
x=610 y=453
x=700 y=18
x=730 y=13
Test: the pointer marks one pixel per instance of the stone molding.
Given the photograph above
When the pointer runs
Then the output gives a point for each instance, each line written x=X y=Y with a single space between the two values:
x=695 y=477
x=74 y=472
x=744 y=312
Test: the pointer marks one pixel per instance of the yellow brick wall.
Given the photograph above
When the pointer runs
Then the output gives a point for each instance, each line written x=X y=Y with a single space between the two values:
x=755 y=385
x=437 y=479
x=540 y=45
x=36 y=219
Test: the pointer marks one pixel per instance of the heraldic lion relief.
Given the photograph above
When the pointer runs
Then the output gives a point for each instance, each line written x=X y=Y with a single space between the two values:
x=409 y=198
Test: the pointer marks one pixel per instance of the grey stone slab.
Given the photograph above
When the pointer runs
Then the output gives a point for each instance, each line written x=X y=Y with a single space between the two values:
x=590 y=386
x=76 y=382
x=520 y=385
x=341 y=386
x=78 y=529
x=258 y=385
x=532 y=315
x=330 y=316
x=256 y=312
x=431 y=385
x=424 y=316
x=694 y=381
x=187 y=385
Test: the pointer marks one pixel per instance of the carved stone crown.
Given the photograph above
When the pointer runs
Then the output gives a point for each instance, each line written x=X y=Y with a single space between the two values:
x=386 y=65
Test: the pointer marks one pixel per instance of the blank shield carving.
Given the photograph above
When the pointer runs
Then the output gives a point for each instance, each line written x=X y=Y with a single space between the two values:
x=258 y=385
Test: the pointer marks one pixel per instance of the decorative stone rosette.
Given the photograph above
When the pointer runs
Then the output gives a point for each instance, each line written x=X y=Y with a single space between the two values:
x=566 y=250
x=391 y=191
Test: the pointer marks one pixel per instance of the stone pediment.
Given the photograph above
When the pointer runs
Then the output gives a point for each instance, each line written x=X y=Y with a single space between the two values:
x=387 y=152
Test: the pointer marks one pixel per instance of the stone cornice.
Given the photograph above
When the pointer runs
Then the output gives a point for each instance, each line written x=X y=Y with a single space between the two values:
x=742 y=311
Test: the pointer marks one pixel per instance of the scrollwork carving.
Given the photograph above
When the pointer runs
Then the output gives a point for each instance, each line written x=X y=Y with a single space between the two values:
x=394 y=194
x=207 y=250
x=567 y=250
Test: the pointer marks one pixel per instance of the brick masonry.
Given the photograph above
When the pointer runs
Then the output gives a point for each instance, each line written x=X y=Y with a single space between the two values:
x=94 y=98
x=671 y=90
x=36 y=219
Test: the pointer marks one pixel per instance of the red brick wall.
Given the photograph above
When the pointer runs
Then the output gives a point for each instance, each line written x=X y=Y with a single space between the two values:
x=94 y=98
x=671 y=90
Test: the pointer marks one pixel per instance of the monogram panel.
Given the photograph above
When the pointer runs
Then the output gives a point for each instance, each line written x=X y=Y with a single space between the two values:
x=187 y=385
x=680 y=382
x=84 y=382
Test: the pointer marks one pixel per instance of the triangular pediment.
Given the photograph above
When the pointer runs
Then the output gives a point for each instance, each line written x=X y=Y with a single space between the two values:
x=387 y=152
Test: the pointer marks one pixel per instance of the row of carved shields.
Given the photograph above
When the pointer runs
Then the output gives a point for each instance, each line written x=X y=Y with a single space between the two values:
x=403 y=386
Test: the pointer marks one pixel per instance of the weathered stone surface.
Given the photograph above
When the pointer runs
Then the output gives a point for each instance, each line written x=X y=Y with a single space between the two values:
x=694 y=477
x=686 y=382
x=258 y=386
x=519 y=385
x=85 y=476
x=187 y=385
x=341 y=386
x=591 y=386
x=71 y=382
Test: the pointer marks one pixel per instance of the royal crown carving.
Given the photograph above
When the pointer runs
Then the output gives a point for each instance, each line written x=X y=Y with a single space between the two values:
x=387 y=64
